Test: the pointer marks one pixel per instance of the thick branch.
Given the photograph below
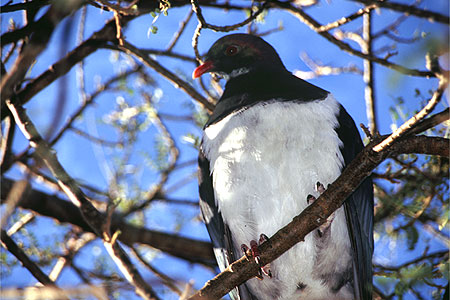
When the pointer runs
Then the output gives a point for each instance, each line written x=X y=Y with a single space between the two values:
x=37 y=44
x=317 y=213
x=14 y=249
x=60 y=68
x=194 y=251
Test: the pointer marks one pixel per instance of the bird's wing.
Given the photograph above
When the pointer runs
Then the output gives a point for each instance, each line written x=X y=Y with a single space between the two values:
x=358 y=210
x=218 y=230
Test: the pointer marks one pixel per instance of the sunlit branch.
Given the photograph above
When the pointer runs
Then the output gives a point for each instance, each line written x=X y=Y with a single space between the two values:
x=347 y=19
x=73 y=245
x=369 y=76
x=92 y=216
x=24 y=220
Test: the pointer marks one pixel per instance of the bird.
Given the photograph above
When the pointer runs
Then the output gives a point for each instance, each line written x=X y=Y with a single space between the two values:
x=271 y=144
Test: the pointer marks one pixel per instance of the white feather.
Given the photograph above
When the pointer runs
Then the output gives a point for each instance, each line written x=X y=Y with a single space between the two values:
x=265 y=160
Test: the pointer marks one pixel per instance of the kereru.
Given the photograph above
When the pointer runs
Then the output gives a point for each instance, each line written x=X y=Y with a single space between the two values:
x=270 y=139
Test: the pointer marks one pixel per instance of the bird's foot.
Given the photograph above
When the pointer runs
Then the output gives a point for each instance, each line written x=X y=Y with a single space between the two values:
x=310 y=199
x=253 y=251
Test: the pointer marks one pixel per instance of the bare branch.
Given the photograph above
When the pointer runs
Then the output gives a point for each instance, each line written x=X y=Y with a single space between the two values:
x=23 y=6
x=347 y=19
x=52 y=293
x=171 y=283
x=430 y=122
x=174 y=79
x=314 y=25
x=25 y=219
x=60 y=68
x=37 y=44
x=409 y=9
x=201 y=19
x=6 y=143
x=73 y=245
x=177 y=34
x=369 y=76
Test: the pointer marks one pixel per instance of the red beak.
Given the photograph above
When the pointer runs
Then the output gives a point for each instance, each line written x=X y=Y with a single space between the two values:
x=202 y=69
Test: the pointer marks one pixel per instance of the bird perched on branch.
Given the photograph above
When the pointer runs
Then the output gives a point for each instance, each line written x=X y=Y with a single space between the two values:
x=270 y=140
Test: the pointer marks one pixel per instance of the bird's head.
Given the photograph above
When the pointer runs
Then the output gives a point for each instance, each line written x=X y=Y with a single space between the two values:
x=237 y=54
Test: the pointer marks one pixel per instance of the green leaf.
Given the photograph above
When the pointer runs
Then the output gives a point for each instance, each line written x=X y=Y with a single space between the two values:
x=445 y=270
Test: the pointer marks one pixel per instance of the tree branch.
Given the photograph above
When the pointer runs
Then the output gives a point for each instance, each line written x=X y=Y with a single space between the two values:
x=408 y=9
x=15 y=250
x=314 y=25
x=369 y=76
x=60 y=68
x=318 y=212
x=174 y=79
x=92 y=216
x=37 y=44
x=191 y=250
x=402 y=130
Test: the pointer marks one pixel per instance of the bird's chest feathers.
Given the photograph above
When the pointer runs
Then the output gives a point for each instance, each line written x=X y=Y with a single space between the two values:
x=266 y=159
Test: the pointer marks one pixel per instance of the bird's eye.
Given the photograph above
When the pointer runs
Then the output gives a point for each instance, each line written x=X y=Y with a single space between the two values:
x=231 y=50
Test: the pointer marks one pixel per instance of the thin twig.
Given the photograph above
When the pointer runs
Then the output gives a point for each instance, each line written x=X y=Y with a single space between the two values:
x=196 y=8
x=174 y=79
x=177 y=34
x=409 y=9
x=156 y=189
x=314 y=25
x=347 y=19
x=88 y=100
x=171 y=283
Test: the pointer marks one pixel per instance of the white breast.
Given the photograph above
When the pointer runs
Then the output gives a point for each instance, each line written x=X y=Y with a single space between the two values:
x=265 y=160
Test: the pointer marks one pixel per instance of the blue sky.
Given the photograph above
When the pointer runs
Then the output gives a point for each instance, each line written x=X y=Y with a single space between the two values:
x=90 y=164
